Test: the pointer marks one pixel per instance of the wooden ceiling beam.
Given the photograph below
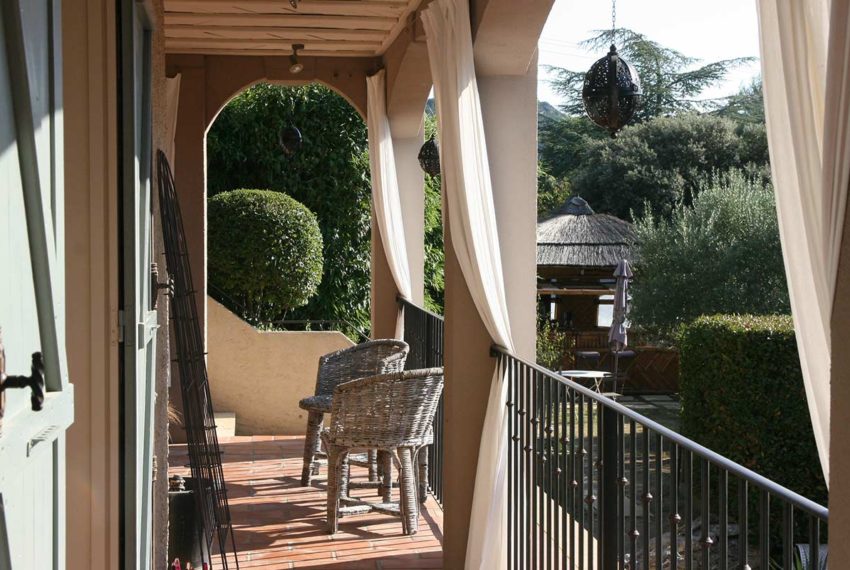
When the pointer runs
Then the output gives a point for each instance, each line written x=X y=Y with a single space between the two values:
x=269 y=52
x=283 y=21
x=291 y=21
x=281 y=46
x=260 y=7
x=271 y=33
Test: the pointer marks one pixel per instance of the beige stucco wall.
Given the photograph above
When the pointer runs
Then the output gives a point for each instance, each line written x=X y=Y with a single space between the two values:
x=261 y=375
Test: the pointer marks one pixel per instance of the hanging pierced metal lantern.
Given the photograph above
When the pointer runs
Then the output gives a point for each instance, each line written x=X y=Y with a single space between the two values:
x=429 y=157
x=611 y=92
x=290 y=140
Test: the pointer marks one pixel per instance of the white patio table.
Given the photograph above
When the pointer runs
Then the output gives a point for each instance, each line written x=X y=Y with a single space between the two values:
x=597 y=377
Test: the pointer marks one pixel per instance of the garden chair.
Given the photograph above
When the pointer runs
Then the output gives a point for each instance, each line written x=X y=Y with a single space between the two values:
x=393 y=413
x=365 y=359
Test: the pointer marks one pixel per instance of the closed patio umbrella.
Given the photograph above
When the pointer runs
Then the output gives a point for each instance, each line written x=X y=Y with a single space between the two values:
x=618 y=336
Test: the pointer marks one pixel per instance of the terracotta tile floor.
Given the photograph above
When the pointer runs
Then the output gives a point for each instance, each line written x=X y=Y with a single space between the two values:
x=280 y=524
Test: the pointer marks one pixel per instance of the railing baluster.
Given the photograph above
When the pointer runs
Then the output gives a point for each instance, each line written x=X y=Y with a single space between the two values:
x=764 y=529
x=511 y=506
x=705 y=512
x=621 y=492
x=788 y=536
x=555 y=470
x=546 y=427
x=647 y=498
x=723 y=499
x=582 y=452
x=590 y=495
x=519 y=536
x=511 y=408
x=574 y=474
x=529 y=467
x=532 y=471
x=814 y=543
x=598 y=506
x=689 y=511
x=542 y=461
x=566 y=518
x=674 y=506
x=634 y=533
x=743 y=525
x=659 y=501
x=609 y=485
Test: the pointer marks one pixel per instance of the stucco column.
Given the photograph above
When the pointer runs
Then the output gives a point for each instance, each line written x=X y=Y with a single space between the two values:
x=384 y=292
x=411 y=182
x=509 y=106
x=189 y=166
x=839 y=446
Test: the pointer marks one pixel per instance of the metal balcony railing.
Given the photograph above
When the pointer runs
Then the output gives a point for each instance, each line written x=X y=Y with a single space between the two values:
x=592 y=484
x=423 y=331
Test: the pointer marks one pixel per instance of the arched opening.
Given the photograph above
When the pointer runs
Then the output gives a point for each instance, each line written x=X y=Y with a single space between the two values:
x=328 y=173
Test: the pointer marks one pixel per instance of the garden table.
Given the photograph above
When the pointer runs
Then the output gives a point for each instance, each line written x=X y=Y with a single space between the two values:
x=596 y=377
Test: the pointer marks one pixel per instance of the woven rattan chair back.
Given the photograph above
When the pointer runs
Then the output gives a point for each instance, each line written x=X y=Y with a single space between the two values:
x=366 y=359
x=360 y=361
x=386 y=411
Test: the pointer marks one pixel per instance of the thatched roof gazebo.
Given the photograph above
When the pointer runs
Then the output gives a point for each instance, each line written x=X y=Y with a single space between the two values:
x=577 y=252
x=576 y=236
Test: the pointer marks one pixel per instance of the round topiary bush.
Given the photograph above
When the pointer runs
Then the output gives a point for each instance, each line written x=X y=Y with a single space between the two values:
x=264 y=253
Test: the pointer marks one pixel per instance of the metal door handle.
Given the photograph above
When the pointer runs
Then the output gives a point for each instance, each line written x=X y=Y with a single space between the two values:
x=35 y=381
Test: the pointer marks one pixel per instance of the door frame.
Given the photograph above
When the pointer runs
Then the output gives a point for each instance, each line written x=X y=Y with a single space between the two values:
x=134 y=334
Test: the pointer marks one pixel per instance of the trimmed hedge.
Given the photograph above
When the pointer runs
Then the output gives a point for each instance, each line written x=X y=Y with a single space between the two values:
x=265 y=252
x=743 y=397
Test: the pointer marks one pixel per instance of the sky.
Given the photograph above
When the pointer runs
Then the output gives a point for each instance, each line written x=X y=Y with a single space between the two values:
x=709 y=31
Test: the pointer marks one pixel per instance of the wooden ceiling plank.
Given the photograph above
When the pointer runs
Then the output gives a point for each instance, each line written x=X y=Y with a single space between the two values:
x=271 y=33
x=283 y=21
x=331 y=7
x=269 y=53
x=282 y=46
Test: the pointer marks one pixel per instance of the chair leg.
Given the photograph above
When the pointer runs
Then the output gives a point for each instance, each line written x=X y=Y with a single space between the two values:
x=345 y=474
x=336 y=457
x=312 y=446
x=409 y=501
x=372 y=456
x=422 y=456
x=385 y=490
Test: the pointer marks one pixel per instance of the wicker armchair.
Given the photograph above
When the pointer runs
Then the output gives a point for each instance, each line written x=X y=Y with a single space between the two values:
x=393 y=413
x=365 y=359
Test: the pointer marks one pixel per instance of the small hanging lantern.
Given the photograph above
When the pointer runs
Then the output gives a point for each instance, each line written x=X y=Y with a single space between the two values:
x=612 y=91
x=429 y=157
x=290 y=140
x=295 y=66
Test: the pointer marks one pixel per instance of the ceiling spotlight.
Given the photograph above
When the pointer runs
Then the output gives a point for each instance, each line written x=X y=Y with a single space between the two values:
x=295 y=66
x=294 y=4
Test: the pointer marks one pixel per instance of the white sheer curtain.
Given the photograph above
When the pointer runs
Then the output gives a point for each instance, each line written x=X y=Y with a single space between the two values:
x=172 y=103
x=472 y=222
x=808 y=136
x=385 y=189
